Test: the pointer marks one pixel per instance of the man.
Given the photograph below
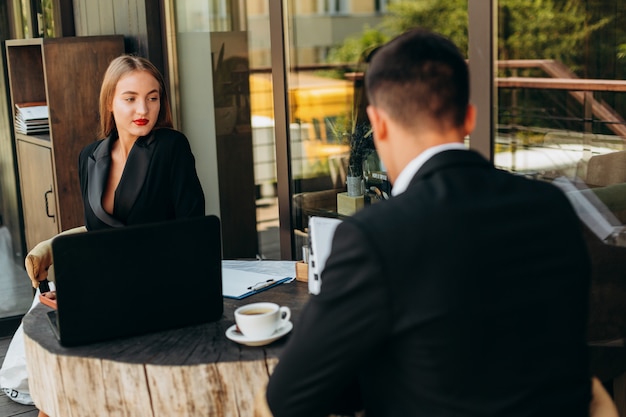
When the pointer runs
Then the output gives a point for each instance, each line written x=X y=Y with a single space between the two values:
x=464 y=294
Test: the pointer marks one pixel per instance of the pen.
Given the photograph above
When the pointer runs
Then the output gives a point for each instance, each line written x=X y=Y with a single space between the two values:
x=261 y=285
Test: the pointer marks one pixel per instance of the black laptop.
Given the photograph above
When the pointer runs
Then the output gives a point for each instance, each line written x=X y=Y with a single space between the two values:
x=137 y=279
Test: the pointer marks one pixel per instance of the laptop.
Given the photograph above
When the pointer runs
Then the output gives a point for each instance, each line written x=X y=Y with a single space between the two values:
x=139 y=279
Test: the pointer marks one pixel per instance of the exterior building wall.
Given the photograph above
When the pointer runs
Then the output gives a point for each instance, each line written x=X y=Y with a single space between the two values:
x=257 y=8
x=305 y=7
x=363 y=6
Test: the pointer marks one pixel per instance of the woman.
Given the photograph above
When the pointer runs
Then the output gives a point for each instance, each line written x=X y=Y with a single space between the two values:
x=142 y=171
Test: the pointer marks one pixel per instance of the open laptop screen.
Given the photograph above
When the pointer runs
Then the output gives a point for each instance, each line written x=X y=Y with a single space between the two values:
x=137 y=279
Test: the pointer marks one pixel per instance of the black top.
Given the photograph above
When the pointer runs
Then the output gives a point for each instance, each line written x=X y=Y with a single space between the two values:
x=159 y=181
x=466 y=295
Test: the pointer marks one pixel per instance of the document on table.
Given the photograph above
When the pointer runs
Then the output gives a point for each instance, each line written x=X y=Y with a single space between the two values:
x=240 y=284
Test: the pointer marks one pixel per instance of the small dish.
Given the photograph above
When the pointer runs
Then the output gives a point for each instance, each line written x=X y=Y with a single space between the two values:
x=236 y=336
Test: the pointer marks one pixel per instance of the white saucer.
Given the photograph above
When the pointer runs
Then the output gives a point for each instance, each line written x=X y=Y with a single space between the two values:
x=235 y=335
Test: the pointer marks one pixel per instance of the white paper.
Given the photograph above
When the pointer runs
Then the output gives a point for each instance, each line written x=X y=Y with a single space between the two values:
x=33 y=112
x=236 y=282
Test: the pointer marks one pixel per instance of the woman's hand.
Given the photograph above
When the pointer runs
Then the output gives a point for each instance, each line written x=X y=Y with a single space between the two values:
x=51 y=295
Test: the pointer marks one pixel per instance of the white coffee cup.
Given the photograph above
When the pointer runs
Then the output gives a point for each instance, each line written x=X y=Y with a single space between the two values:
x=260 y=320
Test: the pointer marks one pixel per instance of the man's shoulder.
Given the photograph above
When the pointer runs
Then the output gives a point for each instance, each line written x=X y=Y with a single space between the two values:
x=534 y=185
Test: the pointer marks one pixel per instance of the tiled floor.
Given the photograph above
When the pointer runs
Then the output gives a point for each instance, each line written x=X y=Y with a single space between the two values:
x=16 y=292
x=16 y=295
x=8 y=407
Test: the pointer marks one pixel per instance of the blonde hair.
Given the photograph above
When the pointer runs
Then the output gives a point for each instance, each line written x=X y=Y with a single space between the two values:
x=118 y=68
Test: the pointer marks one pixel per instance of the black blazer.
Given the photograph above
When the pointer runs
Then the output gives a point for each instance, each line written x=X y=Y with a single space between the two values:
x=159 y=181
x=465 y=295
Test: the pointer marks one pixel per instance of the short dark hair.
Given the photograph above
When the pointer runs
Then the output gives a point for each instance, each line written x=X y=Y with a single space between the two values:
x=418 y=78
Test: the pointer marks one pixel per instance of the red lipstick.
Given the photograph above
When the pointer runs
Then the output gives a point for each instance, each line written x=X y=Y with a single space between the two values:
x=141 y=122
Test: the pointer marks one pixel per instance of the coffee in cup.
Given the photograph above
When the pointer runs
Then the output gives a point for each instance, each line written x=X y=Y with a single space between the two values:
x=260 y=320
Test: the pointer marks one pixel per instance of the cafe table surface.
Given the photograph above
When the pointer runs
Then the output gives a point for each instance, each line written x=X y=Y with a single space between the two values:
x=190 y=371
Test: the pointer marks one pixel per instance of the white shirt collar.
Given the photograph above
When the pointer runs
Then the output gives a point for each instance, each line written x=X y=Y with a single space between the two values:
x=402 y=182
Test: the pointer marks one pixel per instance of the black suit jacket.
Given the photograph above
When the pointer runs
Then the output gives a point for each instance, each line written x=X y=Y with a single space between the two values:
x=159 y=181
x=465 y=295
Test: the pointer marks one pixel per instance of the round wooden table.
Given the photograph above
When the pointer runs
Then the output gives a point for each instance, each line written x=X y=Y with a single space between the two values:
x=193 y=371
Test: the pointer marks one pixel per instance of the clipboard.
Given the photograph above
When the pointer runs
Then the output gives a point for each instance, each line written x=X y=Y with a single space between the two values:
x=238 y=284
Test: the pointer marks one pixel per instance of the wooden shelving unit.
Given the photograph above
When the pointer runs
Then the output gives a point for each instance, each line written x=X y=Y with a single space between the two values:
x=66 y=73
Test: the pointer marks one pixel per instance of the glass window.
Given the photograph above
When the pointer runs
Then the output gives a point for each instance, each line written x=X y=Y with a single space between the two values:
x=328 y=56
x=326 y=43
x=16 y=292
x=326 y=48
x=213 y=65
x=562 y=94
x=326 y=62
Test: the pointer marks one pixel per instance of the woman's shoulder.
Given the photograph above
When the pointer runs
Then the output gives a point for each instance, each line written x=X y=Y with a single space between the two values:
x=168 y=133
x=90 y=148
x=172 y=137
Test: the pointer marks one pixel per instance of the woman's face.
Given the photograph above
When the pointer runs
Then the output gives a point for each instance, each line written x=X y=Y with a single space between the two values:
x=136 y=104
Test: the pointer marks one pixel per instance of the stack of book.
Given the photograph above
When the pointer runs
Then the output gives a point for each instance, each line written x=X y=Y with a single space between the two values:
x=31 y=118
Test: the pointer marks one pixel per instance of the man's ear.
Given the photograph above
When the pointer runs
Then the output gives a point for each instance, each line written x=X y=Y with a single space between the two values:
x=470 y=119
x=378 y=122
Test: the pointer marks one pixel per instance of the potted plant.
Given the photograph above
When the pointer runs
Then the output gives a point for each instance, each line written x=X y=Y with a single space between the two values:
x=361 y=145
